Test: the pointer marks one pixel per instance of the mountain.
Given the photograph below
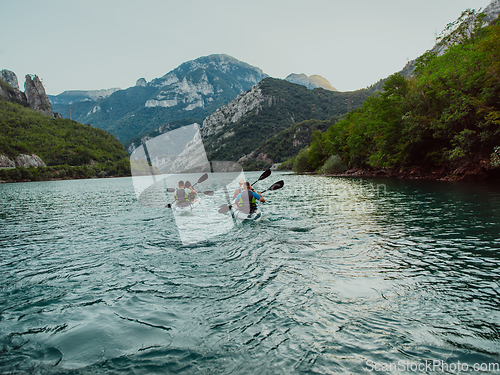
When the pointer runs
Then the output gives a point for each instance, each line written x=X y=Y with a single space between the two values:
x=311 y=82
x=189 y=93
x=239 y=130
x=492 y=10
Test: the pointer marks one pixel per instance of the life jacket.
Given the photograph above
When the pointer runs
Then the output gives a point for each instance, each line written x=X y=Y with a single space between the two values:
x=182 y=197
x=247 y=202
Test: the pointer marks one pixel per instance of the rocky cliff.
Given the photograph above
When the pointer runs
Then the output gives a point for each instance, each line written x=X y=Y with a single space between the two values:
x=234 y=111
x=34 y=93
x=9 y=77
x=10 y=89
x=36 y=96
x=21 y=160
x=492 y=10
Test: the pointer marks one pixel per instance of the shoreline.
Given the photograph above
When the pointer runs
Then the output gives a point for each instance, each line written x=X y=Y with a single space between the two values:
x=466 y=173
x=61 y=179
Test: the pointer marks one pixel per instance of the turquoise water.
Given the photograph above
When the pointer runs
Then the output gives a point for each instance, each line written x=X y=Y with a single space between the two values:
x=340 y=276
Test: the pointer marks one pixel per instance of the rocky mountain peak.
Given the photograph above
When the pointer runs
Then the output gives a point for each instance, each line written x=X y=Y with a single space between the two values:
x=219 y=63
x=34 y=92
x=36 y=96
x=141 y=82
x=11 y=90
x=9 y=77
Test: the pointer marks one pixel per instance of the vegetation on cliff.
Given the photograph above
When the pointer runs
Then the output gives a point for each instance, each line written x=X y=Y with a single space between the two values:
x=447 y=115
x=69 y=149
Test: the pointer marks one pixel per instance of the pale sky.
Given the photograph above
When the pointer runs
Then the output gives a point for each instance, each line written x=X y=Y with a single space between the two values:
x=90 y=44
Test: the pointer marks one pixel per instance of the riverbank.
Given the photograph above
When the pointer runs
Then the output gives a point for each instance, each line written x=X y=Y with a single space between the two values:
x=469 y=172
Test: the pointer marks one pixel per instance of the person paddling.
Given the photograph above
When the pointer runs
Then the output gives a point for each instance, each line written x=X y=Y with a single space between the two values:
x=239 y=189
x=246 y=201
x=192 y=193
x=182 y=198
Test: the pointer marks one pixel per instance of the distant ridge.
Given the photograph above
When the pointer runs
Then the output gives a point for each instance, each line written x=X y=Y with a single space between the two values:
x=73 y=96
x=311 y=82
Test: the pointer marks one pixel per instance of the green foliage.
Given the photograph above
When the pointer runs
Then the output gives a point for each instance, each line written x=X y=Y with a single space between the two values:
x=287 y=165
x=301 y=162
x=68 y=148
x=255 y=165
x=446 y=114
x=120 y=169
x=332 y=165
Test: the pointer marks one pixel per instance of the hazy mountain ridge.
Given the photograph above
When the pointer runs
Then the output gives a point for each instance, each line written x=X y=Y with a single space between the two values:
x=73 y=96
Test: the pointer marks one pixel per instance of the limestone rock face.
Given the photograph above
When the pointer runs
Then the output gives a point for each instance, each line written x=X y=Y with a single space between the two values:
x=9 y=77
x=5 y=162
x=36 y=96
x=13 y=92
x=22 y=160
x=492 y=10
x=232 y=112
x=29 y=161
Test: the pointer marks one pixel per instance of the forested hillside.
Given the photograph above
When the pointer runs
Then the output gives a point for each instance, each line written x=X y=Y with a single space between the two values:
x=445 y=119
x=68 y=149
x=266 y=135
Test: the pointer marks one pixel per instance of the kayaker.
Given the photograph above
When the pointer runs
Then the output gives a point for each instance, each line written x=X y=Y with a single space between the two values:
x=246 y=201
x=239 y=189
x=182 y=197
x=192 y=193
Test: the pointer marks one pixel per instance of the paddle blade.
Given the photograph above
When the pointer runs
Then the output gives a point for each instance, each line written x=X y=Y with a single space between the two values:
x=208 y=192
x=224 y=208
x=277 y=185
x=171 y=190
x=202 y=178
x=264 y=175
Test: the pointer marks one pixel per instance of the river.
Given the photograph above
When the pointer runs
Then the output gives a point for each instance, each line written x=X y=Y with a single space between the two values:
x=341 y=275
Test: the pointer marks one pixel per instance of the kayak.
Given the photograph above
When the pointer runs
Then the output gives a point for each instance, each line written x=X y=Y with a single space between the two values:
x=188 y=208
x=254 y=216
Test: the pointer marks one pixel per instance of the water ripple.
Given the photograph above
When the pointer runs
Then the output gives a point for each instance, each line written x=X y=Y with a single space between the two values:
x=339 y=272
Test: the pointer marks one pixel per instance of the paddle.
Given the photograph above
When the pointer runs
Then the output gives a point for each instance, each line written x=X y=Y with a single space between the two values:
x=200 y=180
x=264 y=175
x=277 y=185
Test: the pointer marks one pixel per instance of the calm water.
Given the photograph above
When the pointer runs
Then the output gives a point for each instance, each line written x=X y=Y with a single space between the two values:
x=340 y=276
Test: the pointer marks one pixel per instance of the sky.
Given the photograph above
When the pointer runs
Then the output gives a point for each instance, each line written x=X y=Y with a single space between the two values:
x=91 y=45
